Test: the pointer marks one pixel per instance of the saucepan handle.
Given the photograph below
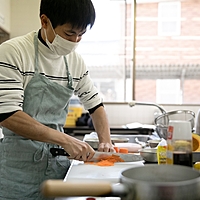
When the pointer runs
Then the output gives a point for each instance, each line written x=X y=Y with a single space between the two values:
x=59 y=188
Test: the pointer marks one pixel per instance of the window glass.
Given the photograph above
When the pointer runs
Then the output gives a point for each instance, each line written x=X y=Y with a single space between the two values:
x=167 y=51
x=169 y=18
x=168 y=65
x=107 y=49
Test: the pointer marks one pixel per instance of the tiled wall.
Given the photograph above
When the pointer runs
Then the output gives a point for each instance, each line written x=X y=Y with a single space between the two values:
x=121 y=114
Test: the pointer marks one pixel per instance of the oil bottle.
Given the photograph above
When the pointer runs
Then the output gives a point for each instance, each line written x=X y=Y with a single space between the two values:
x=179 y=143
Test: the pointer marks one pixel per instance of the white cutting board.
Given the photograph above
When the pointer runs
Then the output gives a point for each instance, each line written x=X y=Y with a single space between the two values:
x=87 y=172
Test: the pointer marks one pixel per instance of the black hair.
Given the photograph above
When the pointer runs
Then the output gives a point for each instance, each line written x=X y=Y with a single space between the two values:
x=78 y=13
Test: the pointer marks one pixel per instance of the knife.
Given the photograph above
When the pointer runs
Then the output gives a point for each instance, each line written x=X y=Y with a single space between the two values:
x=127 y=157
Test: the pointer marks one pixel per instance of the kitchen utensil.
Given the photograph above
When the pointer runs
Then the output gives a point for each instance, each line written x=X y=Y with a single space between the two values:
x=153 y=143
x=149 y=155
x=152 y=182
x=162 y=121
x=100 y=155
x=127 y=157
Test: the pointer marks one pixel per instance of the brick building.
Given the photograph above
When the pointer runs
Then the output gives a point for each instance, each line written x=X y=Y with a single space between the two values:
x=172 y=56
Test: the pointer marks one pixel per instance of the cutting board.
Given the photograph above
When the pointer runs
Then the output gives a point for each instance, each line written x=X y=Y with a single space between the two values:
x=81 y=171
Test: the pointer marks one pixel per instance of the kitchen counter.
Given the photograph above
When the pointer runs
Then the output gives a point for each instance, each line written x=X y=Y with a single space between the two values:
x=79 y=171
x=87 y=172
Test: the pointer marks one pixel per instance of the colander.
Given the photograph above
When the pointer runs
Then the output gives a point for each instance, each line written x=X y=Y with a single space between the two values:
x=162 y=121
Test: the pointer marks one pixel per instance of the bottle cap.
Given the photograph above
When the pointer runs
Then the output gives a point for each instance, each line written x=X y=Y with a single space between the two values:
x=179 y=130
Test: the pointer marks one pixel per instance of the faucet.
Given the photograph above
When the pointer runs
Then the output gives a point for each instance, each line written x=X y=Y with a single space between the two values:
x=133 y=103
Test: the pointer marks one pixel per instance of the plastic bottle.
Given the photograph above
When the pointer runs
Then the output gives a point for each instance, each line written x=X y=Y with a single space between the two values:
x=179 y=143
x=162 y=151
x=74 y=112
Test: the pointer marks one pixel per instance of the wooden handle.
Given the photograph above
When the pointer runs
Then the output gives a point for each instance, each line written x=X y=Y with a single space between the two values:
x=59 y=188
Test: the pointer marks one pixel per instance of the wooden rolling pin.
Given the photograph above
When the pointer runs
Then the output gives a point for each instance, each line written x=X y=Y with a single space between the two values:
x=59 y=188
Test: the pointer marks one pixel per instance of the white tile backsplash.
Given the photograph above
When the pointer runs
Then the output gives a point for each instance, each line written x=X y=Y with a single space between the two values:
x=121 y=114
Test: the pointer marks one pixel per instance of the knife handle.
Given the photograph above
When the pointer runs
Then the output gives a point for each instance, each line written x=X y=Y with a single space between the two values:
x=58 y=152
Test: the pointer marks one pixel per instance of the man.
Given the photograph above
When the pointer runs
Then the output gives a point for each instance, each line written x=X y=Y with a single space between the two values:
x=39 y=72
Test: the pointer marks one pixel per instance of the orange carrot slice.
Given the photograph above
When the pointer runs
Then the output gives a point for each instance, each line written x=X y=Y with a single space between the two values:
x=123 y=150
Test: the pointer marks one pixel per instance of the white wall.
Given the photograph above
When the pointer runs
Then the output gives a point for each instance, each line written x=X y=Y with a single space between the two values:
x=24 y=16
x=5 y=15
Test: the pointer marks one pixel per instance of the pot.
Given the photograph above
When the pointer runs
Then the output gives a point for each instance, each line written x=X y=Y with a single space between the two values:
x=149 y=182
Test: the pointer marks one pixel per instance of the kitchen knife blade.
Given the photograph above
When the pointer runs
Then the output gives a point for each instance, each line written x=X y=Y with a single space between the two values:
x=127 y=157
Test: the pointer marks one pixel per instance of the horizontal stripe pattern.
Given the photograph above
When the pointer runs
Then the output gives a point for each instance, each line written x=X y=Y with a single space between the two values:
x=17 y=69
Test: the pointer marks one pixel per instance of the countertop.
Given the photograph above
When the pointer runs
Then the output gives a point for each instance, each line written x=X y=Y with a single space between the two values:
x=81 y=171
x=87 y=172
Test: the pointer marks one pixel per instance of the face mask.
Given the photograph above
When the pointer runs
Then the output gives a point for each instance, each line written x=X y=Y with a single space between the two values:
x=60 y=46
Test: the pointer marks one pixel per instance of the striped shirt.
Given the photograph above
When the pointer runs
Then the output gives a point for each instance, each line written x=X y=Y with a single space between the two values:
x=17 y=67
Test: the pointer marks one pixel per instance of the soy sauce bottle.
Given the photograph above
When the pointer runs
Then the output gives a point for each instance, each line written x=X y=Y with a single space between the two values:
x=179 y=143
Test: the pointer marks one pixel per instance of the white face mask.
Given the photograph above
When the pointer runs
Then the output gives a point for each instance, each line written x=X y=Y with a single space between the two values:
x=60 y=46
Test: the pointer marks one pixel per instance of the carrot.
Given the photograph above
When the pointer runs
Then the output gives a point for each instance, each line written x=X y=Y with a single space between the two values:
x=123 y=150
x=105 y=163
x=108 y=161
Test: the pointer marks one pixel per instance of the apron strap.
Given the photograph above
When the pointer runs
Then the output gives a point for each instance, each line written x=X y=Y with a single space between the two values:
x=36 y=52
x=70 y=80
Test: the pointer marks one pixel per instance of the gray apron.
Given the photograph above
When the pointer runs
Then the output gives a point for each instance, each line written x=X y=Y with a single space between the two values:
x=24 y=163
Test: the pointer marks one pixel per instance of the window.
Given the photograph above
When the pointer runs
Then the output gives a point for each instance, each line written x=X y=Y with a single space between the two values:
x=107 y=49
x=169 y=18
x=167 y=53
x=168 y=63
x=168 y=91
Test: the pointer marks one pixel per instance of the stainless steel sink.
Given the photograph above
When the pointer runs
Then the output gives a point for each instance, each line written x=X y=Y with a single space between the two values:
x=142 y=138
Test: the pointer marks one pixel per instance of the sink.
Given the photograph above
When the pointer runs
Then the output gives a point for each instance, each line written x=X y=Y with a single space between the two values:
x=142 y=138
x=122 y=138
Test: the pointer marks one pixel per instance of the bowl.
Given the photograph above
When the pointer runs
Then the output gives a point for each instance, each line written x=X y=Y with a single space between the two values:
x=149 y=155
x=153 y=143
